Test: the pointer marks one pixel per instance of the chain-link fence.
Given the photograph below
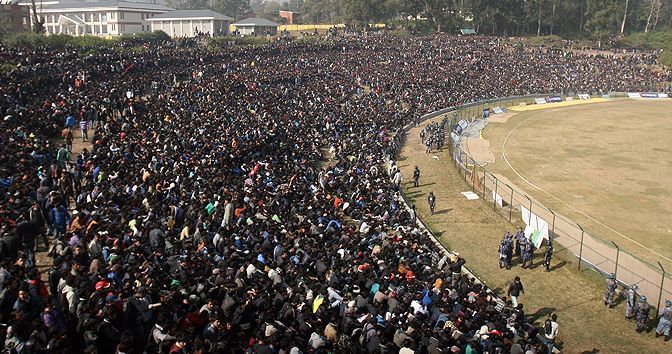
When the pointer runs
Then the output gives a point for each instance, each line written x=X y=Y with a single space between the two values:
x=568 y=237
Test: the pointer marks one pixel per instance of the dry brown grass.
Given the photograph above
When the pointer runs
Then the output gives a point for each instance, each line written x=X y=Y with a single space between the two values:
x=474 y=230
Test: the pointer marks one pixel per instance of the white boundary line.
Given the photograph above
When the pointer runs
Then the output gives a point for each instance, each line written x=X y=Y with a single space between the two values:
x=562 y=202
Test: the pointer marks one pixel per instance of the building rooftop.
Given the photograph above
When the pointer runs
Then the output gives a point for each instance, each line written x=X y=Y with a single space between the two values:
x=254 y=21
x=106 y=4
x=190 y=14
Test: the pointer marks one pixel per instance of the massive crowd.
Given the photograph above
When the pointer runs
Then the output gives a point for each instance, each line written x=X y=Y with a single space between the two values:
x=237 y=200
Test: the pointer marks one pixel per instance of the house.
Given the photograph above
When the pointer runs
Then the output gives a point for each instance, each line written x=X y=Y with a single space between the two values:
x=256 y=26
x=17 y=16
x=290 y=17
x=99 y=18
x=189 y=23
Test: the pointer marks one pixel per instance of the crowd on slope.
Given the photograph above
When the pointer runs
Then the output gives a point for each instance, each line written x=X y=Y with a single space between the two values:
x=203 y=217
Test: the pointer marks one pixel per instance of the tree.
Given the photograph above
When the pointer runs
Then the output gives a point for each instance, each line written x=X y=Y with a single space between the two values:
x=603 y=17
x=38 y=23
x=625 y=16
x=361 y=11
x=443 y=13
x=233 y=8
x=5 y=24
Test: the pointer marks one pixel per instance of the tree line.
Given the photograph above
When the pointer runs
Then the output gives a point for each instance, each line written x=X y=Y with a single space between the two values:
x=567 y=18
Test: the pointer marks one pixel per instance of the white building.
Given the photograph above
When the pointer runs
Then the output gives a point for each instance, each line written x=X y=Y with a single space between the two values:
x=99 y=18
x=189 y=23
x=258 y=26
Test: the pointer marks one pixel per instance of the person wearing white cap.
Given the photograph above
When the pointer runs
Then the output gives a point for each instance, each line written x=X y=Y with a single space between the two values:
x=631 y=298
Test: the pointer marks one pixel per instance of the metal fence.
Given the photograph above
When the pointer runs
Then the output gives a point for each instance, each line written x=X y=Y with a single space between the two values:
x=568 y=237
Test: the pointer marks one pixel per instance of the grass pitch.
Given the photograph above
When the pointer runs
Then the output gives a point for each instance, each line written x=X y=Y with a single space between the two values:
x=474 y=229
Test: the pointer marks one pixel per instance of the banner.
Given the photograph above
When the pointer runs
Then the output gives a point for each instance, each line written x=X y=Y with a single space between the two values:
x=634 y=95
x=536 y=228
x=570 y=98
x=540 y=101
x=649 y=95
x=497 y=110
x=554 y=99
x=663 y=95
x=498 y=199
x=584 y=96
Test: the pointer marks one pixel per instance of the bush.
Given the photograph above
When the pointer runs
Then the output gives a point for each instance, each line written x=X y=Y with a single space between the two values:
x=651 y=40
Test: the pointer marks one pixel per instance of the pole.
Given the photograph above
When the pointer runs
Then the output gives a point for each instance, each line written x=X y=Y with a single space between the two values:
x=494 y=205
x=511 y=204
x=550 y=237
x=662 y=282
x=529 y=219
x=483 y=184
x=581 y=246
x=618 y=253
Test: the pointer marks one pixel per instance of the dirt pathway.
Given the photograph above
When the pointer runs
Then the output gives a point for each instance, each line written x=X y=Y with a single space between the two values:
x=42 y=260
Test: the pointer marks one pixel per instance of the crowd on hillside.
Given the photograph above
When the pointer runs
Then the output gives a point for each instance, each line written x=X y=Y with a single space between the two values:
x=241 y=199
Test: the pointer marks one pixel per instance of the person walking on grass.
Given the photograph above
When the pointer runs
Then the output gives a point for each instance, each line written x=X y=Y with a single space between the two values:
x=431 y=200
x=515 y=290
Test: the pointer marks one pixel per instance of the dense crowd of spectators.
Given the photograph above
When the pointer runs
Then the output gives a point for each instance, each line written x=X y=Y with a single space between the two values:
x=240 y=200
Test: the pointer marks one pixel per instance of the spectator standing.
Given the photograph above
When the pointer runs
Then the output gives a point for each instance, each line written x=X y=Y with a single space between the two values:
x=84 y=126
x=550 y=332
x=515 y=290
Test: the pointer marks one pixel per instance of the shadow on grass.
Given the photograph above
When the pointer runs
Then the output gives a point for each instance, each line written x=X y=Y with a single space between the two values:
x=444 y=211
x=594 y=351
x=542 y=313
x=413 y=195
x=558 y=265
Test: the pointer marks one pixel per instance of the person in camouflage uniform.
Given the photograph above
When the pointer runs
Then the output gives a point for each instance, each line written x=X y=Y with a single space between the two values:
x=642 y=314
x=665 y=321
x=527 y=254
x=506 y=251
x=630 y=300
x=610 y=290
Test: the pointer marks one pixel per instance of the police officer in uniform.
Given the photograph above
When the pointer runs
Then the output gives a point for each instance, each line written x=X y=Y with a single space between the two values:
x=665 y=321
x=610 y=290
x=642 y=314
x=548 y=254
x=416 y=176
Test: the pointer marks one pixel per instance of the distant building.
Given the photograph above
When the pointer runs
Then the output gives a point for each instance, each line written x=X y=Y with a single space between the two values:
x=258 y=26
x=99 y=18
x=189 y=23
x=18 y=17
x=290 y=17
